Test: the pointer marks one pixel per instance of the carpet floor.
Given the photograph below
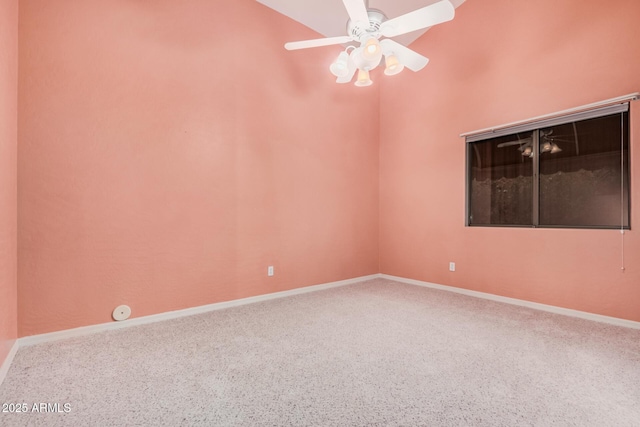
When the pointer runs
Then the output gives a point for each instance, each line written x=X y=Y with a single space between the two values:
x=377 y=353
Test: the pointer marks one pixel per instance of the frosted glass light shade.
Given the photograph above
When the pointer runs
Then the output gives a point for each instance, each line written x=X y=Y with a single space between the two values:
x=363 y=79
x=339 y=68
x=372 y=49
x=393 y=66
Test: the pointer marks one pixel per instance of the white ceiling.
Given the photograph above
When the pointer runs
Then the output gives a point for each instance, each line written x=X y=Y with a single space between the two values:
x=329 y=17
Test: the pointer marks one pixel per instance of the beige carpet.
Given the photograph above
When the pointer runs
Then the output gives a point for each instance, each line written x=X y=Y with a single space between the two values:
x=377 y=353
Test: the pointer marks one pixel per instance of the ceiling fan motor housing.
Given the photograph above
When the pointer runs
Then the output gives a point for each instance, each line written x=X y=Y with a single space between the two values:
x=376 y=18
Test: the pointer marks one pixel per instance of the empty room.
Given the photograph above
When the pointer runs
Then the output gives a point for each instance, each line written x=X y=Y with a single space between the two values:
x=319 y=213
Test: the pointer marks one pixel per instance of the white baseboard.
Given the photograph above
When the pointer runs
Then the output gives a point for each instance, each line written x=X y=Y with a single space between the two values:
x=4 y=368
x=86 y=330
x=537 y=306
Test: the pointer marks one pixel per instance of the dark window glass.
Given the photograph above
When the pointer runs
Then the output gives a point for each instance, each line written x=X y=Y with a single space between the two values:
x=581 y=173
x=568 y=175
x=502 y=181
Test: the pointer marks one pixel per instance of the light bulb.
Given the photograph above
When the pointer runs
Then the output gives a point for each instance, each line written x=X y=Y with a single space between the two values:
x=340 y=68
x=363 y=78
x=371 y=48
x=546 y=147
x=527 y=151
x=393 y=65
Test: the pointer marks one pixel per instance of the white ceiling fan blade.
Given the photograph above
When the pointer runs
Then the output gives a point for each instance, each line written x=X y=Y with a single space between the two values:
x=436 y=13
x=351 y=65
x=317 y=42
x=357 y=11
x=407 y=57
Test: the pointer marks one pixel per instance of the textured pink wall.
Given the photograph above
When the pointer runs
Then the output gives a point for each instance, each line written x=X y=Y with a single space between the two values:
x=501 y=61
x=8 y=173
x=169 y=153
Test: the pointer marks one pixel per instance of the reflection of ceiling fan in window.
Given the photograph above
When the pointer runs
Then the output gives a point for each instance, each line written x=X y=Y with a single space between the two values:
x=548 y=143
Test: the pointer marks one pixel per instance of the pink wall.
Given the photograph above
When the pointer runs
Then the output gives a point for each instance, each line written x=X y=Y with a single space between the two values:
x=501 y=61
x=169 y=154
x=8 y=173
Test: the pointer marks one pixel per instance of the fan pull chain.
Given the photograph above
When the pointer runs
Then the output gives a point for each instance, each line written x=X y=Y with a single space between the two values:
x=622 y=242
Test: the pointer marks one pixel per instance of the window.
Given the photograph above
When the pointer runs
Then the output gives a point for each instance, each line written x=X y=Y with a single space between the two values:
x=570 y=172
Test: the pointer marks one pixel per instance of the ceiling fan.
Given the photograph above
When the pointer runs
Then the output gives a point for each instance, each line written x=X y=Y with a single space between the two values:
x=366 y=27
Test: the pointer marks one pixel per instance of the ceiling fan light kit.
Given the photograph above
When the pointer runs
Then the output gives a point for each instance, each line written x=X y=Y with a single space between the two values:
x=366 y=27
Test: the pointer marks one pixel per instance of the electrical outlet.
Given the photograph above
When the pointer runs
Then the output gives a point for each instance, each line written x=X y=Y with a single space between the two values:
x=270 y=270
x=452 y=266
